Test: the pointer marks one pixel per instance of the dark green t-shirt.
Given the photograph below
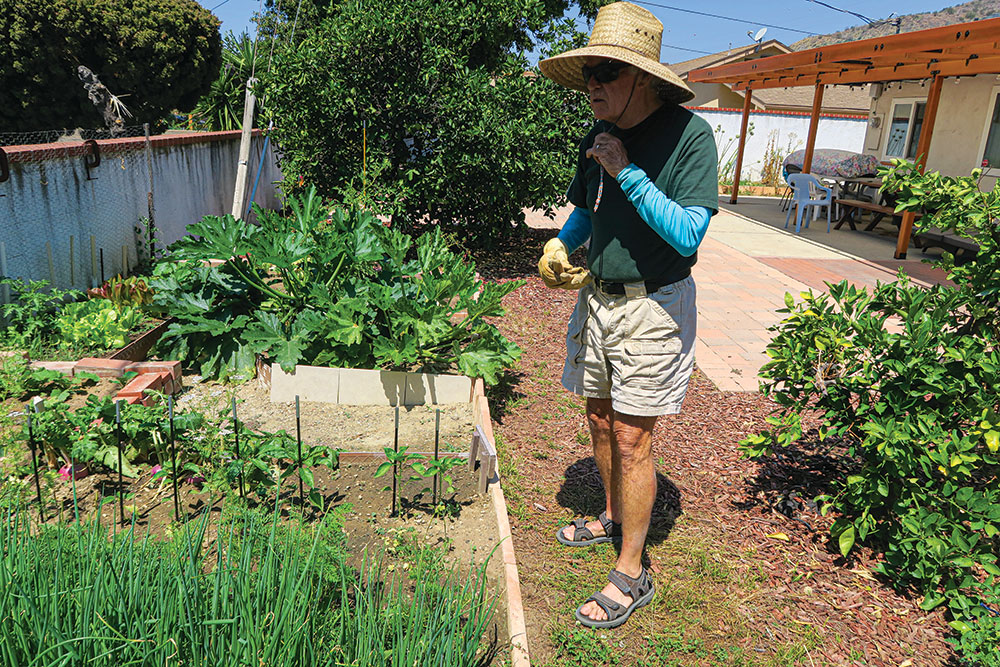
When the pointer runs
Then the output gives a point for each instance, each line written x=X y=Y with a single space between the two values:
x=677 y=151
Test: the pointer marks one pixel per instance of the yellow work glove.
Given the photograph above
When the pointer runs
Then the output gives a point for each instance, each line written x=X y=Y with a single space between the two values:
x=555 y=269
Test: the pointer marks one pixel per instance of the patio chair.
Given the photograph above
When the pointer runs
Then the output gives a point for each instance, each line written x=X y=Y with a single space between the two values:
x=803 y=187
x=786 y=196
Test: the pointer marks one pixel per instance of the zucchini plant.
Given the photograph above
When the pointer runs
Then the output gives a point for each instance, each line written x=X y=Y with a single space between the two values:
x=329 y=288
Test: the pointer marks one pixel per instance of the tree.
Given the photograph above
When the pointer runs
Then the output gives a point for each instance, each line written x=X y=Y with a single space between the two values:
x=221 y=108
x=156 y=55
x=429 y=109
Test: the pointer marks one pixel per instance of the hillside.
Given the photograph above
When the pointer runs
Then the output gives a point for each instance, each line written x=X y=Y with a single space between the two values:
x=968 y=11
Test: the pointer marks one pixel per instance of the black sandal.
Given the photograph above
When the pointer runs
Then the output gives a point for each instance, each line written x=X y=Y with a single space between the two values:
x=583 y=537
x=640 y=589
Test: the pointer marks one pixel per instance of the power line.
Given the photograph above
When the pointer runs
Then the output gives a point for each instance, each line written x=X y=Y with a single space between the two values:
x=725 y=18
x=893 y=20
x=684 y=48
x=218 y=5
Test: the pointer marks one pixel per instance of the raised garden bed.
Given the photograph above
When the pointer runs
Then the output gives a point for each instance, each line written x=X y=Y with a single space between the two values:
x=472 y=522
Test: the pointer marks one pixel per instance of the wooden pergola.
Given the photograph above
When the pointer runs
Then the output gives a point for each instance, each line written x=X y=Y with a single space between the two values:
x=964 y=49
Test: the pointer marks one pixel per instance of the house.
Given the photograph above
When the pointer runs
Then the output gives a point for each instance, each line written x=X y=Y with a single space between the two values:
x=849 y=100
x=940 y=83
x=966 y=131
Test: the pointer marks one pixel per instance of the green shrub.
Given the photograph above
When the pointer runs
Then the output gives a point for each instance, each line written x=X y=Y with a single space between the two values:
x=327 y=289
x=915 y=407
x=30 y=317
x=428 y=109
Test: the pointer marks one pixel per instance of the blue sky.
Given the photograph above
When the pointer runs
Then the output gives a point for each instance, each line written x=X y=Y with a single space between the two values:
x=700 y=33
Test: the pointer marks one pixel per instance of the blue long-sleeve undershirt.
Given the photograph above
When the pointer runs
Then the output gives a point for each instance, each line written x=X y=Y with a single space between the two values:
x=684 y=228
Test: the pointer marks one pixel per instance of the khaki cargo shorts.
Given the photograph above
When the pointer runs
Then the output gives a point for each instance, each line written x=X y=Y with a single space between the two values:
x=636 y=349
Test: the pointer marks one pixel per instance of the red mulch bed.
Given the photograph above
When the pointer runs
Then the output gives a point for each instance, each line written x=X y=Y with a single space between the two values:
x=761 y=511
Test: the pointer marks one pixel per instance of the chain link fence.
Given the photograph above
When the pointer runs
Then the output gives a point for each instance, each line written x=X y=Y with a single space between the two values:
x=79 y=208
x=74 y=216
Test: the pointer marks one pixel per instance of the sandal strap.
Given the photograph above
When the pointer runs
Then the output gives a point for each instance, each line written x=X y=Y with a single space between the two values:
x=581 y=533
x=610 y=607
x=611 y=529
x=635 y=588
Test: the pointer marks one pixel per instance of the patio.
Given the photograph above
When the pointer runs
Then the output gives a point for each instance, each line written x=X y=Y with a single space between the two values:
x=748 y=262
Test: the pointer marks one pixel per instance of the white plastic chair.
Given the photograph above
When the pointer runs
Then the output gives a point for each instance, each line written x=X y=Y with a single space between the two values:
x=803 y=188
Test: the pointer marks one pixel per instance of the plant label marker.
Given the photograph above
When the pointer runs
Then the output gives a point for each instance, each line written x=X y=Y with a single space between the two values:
x=102 y=266
x=173 y=455
x=298 y=437
x=121 y=485
x=236 y=436
x=34 y=462
x=395 y=448
x=437 y=438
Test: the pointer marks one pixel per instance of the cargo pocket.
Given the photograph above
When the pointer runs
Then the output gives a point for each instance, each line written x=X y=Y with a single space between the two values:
x=649 y=363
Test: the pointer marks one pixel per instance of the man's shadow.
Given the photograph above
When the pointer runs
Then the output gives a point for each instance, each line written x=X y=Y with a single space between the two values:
x=582 y=492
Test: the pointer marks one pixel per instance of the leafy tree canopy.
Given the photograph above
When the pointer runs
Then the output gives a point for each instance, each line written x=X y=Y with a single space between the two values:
x=428 y=109
x=157 y=55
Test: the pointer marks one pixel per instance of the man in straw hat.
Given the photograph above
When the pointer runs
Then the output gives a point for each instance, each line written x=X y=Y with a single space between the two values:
x=645 y=189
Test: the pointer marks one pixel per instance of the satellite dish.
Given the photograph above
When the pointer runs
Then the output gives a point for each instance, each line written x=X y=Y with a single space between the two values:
x=760 y=34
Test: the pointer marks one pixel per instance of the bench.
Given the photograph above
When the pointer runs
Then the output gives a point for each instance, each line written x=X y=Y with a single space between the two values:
x=962 y=248
x=857 y=204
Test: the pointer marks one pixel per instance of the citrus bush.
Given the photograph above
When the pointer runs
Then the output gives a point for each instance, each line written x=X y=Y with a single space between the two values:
x=905 y=377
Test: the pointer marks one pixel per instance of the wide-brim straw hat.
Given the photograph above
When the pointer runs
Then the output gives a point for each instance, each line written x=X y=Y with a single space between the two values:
x=625 y=32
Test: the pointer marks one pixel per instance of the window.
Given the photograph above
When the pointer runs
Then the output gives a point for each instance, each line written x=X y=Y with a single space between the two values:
x=991 y=149
x=904 y=128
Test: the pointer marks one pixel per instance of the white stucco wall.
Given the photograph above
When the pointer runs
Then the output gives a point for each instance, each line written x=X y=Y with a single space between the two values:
x=49 y=198
x=789 y=130
x=960 y=128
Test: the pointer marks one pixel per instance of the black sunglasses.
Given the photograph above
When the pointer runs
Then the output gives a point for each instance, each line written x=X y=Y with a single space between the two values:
x=606 y=72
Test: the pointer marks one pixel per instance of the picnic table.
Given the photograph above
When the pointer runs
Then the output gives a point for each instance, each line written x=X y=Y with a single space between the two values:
x=880 y=204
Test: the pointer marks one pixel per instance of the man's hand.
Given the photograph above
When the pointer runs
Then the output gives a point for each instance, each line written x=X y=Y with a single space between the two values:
x=609 y=152
x=555 y=269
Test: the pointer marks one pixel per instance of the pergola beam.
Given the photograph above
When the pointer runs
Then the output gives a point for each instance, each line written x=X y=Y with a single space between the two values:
x=807 y=161
x=923 y=148
x=964 y=35
x=791 y=78
x=747 y=103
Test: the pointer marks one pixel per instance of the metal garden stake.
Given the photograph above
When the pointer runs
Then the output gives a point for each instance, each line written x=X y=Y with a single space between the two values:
x=395 y=448
x=298 y=437
x=121 y=484
x=34 y=462
x=437 y=437
x=173 y=456
x=236 y=434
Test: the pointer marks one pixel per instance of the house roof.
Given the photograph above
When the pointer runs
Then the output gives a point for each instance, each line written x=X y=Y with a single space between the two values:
x=843 y=98
x=722 y=57
x=963 y=49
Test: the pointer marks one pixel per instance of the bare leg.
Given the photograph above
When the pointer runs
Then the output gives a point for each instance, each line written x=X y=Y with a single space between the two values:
x=634 y=481
x=600 y=418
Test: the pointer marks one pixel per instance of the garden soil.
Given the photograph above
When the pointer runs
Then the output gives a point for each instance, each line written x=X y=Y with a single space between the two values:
x=352 y=428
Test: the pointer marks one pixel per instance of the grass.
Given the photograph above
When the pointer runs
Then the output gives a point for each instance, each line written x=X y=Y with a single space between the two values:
x=695 y=618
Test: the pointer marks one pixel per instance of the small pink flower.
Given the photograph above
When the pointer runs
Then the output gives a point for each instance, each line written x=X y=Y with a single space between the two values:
x=69 y=471
x=155 y=469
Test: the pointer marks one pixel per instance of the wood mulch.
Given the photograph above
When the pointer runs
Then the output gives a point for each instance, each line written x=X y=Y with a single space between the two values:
x=777 y=591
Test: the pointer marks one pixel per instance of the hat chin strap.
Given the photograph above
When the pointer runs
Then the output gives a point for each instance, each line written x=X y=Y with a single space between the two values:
x=627 y=102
